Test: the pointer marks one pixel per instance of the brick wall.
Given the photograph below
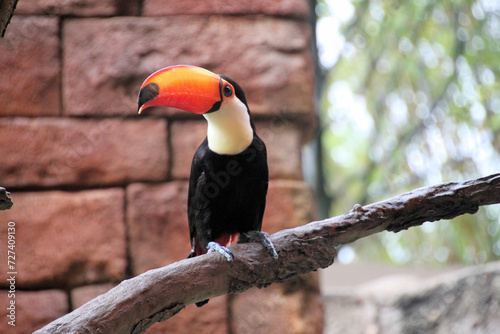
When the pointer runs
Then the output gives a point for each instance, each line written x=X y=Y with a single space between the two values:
x=100 y=192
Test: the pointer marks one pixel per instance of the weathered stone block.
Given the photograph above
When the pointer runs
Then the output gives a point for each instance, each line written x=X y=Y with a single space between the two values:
x=84 y=294
x=346 y=312
x=283 y=140
x=185 y=137
x=289 y=204
x=48 y=152
x=66 y=239
x=211 y=318
x=275 y=70
x=30 y=67
x=293 y=8
x=464 y=302
x=78 y=7
x=288 y=308
x=157 y=224
x=33 y=309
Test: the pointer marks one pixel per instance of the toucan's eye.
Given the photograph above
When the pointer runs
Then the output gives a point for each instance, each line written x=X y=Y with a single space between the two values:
x=227 y=91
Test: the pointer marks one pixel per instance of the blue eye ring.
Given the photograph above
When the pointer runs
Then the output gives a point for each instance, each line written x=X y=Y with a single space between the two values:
x=227 y=91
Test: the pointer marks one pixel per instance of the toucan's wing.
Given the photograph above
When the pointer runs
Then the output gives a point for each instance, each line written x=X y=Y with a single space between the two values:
x=197 y=203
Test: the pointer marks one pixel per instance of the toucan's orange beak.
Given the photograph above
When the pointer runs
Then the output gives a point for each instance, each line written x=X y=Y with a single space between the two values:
x=189 y=88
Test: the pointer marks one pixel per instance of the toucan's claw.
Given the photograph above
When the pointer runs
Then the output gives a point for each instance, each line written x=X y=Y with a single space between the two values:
x=215 y=247
x=260 y=237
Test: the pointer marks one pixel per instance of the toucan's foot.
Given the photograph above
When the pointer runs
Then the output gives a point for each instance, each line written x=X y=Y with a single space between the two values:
x=215 y=247
x=260 y=237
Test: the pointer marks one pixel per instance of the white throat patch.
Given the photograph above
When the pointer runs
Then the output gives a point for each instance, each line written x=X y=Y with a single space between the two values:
x=229 y=129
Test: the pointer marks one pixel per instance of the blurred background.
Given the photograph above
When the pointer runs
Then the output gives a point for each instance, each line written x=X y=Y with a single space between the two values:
x=410 y=98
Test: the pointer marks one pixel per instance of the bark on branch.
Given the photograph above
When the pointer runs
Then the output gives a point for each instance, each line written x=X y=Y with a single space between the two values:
x=5 y=199
x=6 y=11
x=137 y=303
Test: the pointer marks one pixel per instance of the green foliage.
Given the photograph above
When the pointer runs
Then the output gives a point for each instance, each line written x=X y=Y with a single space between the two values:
x=412 y=100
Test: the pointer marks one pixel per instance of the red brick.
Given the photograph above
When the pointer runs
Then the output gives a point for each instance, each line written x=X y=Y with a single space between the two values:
x=284 y=144
x=34 y=309
x=185 y=137
x=30 y=67
x=294 y=8
x=157 y=224
x=287 y=308
x=78 y=7
x=50 y=152
x=67 y=238
x=282 y=138
x=84 y=294
x=275 y=70
x=211 y=318
x=289 y=204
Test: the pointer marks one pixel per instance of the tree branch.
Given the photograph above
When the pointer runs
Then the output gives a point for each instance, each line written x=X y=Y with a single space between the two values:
x=6 y=11
x=5 y=199
x=137 y=303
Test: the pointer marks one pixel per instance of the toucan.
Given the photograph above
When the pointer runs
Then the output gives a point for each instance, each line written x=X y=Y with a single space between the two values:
x=229 y=172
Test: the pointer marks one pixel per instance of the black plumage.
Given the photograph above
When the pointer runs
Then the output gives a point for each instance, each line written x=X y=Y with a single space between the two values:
x=227 y=194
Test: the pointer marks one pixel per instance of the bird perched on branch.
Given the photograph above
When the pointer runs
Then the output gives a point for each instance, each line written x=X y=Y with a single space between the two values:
x=229 y=173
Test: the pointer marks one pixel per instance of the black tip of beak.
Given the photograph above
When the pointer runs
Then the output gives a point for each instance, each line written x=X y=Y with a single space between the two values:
x=148 y=93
